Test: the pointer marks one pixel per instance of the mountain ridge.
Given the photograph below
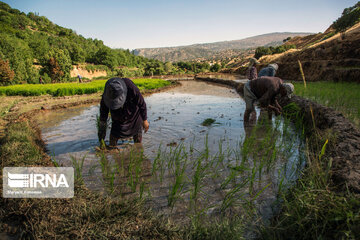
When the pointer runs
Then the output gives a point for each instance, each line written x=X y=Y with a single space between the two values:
x=215 y=50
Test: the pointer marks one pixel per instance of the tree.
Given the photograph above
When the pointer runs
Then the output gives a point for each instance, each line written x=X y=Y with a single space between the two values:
x=350 y=16
x=215 y=68
x=6 y=74
x=57 y=64
x=20 y=58
x=168 y=67
x=261 y=51
x=106 y=56
x=54 y=70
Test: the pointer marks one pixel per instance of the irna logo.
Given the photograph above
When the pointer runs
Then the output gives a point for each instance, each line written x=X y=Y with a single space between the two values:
x=36 y=180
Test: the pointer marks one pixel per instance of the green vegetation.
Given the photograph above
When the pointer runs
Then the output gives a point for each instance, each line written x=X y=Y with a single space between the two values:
x=32 y=46
x=261 y=51
x=193 y=67
x=68 y=89
x=349 y=17
x=208 y=122
x=313 y=208
x=89 y=213
x=310 y=208
x=342 y=96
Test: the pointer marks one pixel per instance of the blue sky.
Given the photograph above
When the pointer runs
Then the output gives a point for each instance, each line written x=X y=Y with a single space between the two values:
x=161 y=23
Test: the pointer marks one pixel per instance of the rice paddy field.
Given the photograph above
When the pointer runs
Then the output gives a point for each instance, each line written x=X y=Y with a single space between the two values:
x=69 y=89
x=185 y=170
x=199 y=174
x=342 y=96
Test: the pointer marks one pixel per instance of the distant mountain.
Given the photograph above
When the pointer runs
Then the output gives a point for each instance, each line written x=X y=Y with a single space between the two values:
x=216 y=50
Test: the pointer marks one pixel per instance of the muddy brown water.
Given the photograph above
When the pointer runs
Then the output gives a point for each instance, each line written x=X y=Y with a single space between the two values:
x=175 y=118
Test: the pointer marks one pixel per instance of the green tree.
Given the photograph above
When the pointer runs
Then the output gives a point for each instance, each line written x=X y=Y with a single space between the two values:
x=20 y=58
x=106 y=57
x=349 y=17
x=77 y=54
x=168 y=67
x=57 y=64
x=261 y=51
x=6 y=74
x=215 y=67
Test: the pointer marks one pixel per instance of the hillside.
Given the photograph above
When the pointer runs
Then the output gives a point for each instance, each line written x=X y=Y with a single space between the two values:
x=217 y=50
x=336 y=58
x=32 y=46
x=333 y=55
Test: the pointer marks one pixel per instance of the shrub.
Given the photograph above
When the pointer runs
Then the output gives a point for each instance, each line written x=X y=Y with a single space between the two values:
x=349 y=17
x=215 y=68
x=261 y=51
x=6 y=74
x=126 y=72
x=57 y=64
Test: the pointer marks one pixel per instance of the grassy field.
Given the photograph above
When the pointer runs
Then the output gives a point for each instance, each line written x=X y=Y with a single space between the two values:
x=342 y=96
x=68 y=89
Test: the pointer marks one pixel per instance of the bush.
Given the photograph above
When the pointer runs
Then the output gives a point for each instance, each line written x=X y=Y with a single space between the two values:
x=126 y=72
x=215 y=68
x=261 y=51
x=6 y=74
x=57 y=64
x=349 y=17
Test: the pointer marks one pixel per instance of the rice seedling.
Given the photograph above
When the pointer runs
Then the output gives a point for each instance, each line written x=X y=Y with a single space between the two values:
x=68 y=89
x=208 y=122
x=179 y=158
x=54 y=161
x=342 y=96
x=196 y=182
x=78 y=164
x=136 y=159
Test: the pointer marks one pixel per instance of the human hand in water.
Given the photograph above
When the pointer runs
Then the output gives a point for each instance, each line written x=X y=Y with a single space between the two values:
x=146 y=126
x=275 y=109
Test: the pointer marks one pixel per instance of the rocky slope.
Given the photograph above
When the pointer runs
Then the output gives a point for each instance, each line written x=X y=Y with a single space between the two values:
x=217 y=50
x=324 y=57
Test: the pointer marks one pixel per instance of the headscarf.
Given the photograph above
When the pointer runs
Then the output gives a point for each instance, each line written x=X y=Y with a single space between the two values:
x=115 y=93
x=289 y=89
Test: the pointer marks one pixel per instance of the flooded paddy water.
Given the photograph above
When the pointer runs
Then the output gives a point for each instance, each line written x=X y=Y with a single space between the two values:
x=185 y=170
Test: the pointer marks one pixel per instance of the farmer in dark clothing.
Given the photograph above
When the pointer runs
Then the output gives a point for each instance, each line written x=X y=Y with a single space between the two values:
x=128 y=111
x=264 y=90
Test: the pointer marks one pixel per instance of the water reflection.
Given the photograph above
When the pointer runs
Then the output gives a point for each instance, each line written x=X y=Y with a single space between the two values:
x=182 y=167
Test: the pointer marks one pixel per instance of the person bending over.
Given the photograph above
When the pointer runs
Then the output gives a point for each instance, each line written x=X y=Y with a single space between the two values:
x=264 y=91
x=269 y=71
x=128 y=111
